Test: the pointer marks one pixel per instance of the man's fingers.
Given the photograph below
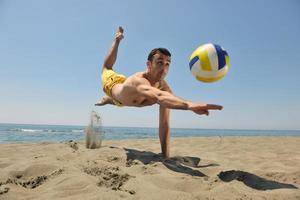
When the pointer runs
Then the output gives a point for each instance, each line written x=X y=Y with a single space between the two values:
x=202 y=112
x=205 y=112
x=214 y=107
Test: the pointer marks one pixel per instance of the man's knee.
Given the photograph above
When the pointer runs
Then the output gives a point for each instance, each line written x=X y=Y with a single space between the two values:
x=106 y=67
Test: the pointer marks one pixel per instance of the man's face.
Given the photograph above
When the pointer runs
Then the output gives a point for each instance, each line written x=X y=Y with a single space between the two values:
x=159 y=66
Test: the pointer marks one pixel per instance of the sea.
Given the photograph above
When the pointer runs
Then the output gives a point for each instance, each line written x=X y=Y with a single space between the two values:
x=30 y=133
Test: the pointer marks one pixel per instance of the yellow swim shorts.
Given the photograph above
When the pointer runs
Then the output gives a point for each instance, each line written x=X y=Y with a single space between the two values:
x=109 y=79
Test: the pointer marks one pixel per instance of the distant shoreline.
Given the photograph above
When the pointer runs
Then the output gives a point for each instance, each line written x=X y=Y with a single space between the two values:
x=20 y=133
x=83 y=126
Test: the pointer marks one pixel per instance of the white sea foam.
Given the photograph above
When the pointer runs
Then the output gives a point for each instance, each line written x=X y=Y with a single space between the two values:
x=77 y=131
x=30 y=130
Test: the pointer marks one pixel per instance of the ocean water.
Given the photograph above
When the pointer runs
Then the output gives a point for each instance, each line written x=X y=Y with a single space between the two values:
x=27 y=133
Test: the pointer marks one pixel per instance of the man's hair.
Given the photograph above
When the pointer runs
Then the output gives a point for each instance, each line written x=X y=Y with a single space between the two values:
x=158 y=50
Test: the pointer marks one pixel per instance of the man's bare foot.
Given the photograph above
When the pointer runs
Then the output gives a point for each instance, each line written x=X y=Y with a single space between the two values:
x=119 y=34
x=105 y=100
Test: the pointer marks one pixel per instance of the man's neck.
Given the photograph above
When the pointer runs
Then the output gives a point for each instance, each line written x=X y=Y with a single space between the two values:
x=151 y=79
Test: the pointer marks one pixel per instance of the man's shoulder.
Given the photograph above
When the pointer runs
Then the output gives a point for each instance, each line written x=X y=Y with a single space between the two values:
x=138 y=78
x=163 y=85
x=138 y=75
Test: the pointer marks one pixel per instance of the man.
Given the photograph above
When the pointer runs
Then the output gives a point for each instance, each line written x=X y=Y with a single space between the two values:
x=146 y=88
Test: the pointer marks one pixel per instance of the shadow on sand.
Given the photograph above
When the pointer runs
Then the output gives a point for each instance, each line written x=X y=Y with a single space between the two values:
x=185 y=164
x=178 y=164
x=253 y=181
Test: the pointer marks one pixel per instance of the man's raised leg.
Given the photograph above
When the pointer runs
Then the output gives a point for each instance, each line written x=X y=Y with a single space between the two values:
x=111 y=56
x=109 y=61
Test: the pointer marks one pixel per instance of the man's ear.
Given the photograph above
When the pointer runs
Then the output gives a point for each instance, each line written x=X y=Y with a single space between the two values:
x=148 y=64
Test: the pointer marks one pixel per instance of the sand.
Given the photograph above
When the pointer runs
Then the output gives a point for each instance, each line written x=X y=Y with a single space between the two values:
x=200 y=168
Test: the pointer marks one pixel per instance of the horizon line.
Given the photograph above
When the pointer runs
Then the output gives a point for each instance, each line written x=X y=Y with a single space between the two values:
x=242 y=129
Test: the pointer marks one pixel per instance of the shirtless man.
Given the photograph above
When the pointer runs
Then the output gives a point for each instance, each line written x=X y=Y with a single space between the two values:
x=147 y=88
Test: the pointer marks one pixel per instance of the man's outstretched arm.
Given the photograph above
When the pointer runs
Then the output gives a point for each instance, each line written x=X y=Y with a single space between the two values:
x=111 y=56
x=168 y=100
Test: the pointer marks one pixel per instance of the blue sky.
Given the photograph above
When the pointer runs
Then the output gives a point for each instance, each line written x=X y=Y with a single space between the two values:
x=51 y=53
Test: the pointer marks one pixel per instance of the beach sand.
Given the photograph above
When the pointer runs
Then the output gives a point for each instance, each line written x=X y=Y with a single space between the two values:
x=200 y=168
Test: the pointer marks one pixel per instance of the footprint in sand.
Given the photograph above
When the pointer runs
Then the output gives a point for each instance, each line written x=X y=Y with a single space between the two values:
x=3 y=189
x=110 y=177
x=33 y=176
x=131 y=162
x=113 y=159
x=149 y=170
x=73 y=144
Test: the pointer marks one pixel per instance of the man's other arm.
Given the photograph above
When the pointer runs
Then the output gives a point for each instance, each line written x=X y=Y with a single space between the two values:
x=164 y=127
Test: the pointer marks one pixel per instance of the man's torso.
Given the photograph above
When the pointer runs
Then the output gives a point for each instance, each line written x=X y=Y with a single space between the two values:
x=128 y=93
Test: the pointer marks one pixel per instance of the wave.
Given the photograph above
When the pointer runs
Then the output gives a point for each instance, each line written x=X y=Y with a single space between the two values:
x=24 y=130
x=45 y=130
x=31 y=130
x=77 y=131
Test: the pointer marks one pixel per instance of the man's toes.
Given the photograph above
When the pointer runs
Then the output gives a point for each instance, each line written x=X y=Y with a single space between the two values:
x=100 y=103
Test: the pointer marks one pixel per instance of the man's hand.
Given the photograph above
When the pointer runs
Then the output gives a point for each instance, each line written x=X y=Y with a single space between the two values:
x=203 y=109
x=119 y=34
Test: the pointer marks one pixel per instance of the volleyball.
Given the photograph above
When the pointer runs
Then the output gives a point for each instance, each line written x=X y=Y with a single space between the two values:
x=209 y=63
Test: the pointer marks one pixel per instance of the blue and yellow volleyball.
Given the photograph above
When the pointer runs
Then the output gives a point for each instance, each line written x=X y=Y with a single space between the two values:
x=209 y=63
